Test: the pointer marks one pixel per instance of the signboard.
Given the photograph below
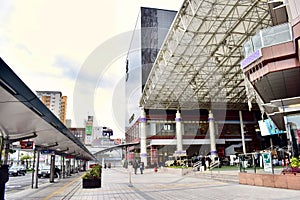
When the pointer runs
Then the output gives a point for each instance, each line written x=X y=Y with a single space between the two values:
x=47 y=152
x=267 y=127
x=26 y=144
x=267 y=162
x=250 y=59
x=179 y=153
x=88 y=130
x=69 y=156
x=107 y=132
x=88 y=139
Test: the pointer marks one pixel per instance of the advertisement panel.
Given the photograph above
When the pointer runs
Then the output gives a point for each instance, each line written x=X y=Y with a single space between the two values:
x=26 y=144
x=267 y=127
x=88 y=139
x=88 y=130
x=267 y=162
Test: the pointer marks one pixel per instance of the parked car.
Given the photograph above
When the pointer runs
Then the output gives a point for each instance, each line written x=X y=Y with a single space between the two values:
x=17 y=170
x=44 y=172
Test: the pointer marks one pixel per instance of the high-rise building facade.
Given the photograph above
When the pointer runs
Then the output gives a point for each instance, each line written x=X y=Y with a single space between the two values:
x=55 y=102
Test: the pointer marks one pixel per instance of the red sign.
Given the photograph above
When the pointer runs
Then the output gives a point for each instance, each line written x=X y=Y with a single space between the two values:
x=26 y=144
x=69 y=156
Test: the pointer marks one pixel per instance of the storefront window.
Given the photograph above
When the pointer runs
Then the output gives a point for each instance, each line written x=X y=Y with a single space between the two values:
x=294 y=128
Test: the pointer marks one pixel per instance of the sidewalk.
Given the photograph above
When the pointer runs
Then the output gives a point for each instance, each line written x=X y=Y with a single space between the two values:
x=150 y=185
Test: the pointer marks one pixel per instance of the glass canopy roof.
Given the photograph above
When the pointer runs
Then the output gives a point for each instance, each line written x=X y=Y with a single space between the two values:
x=198 y=65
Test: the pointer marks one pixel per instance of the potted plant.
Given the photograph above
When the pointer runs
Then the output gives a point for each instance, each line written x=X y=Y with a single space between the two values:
x=295 y=167
x=92 y=178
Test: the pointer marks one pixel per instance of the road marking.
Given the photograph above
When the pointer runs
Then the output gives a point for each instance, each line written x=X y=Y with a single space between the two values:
x=60 y=190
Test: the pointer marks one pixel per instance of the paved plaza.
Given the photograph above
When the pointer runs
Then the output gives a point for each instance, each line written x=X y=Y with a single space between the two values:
x=150 y=185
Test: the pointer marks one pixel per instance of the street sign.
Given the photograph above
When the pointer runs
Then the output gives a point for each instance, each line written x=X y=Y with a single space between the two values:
x=47 y=151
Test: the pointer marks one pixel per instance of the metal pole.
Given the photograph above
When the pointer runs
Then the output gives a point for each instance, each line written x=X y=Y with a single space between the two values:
x=130 y=171
x=33 y=168
x=242 y=132
x=37 y=169
x=63 y=167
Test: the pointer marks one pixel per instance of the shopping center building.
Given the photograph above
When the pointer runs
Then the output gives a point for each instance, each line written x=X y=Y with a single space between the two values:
x=186 y=93
x=272 y=70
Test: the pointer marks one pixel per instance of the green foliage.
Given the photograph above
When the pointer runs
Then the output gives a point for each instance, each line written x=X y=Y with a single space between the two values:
x=178 y=167
x=26 y=157
x=295 y=162
x=94 y=173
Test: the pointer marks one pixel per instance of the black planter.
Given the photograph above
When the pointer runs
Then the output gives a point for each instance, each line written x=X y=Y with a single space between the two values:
x=91 y=183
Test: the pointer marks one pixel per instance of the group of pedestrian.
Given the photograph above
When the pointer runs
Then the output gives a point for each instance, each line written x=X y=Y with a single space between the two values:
x=107 y=165
x=137 y=165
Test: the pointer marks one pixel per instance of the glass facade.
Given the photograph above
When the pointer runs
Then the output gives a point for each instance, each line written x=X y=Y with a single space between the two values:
x=151 y=29
x=268 y=37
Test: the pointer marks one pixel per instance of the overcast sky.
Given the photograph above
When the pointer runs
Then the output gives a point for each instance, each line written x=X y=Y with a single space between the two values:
x=64 y=45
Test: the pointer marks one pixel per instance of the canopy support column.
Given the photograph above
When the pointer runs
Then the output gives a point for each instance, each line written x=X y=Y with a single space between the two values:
x=178 y=121
x=143 y=121
x=213 y=149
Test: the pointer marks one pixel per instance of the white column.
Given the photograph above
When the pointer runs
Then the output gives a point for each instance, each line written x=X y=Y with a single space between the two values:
x=213 y=149
x=242 y=131
x=143 y=121
x=178 y=121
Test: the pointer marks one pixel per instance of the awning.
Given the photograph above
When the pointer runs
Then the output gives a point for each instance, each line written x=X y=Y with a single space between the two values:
x=23 y=116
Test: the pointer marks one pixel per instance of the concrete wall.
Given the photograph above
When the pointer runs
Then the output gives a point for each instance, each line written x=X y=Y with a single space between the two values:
x=288 y=181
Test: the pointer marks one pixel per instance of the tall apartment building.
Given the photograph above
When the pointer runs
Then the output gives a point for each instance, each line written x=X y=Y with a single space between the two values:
x=55 y=102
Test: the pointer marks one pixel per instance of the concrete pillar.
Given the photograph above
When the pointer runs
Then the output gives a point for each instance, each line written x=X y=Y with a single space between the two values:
x=63 y=168
x=52 y=167
x=178 y=121
x=242 y=131
x=213 y=148
x=143 y=121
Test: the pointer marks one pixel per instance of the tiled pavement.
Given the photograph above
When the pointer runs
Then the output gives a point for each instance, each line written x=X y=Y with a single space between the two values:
x=117 y=184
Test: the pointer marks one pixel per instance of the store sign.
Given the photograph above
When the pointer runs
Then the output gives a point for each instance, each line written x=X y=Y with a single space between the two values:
x=26 y=144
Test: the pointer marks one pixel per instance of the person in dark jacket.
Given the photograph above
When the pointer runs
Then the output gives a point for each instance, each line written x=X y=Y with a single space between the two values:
x=142 y=167
x=135 y=166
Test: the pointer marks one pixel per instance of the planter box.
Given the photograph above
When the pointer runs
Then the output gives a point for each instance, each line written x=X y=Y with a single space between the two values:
x=288 y=181
x=91 y=183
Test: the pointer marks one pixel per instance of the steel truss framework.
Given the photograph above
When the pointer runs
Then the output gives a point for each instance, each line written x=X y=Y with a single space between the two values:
x=198 y=65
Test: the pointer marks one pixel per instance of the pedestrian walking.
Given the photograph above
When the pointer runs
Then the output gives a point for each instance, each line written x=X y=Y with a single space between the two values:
x=141 y=167
x=135 y=166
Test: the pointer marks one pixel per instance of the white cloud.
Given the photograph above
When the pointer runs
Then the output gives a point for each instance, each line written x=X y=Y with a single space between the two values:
x=46 y=43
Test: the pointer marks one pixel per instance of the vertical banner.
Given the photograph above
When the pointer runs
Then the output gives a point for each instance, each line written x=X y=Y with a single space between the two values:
x=298 y=135
x=267 y=161
x=154 y=159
